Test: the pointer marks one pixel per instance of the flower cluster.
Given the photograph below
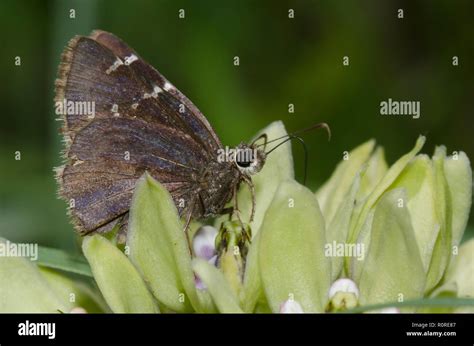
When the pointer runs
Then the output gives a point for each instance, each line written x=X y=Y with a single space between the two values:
x=372 y=234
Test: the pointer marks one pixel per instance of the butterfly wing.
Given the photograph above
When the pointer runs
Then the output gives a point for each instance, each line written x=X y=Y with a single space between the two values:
x=189 y=117
x=139 y=123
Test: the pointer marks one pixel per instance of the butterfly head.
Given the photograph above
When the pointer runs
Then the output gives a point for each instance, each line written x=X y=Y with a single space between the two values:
x=249 y=159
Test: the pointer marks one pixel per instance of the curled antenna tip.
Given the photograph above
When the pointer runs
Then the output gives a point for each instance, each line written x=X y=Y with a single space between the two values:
x=328 y=130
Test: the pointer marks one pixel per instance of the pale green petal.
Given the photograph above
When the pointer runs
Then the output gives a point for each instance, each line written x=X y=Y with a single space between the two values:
x=393 y=270
x=206 y=303
x=76 y=294
x=376 y=169
x=371 y=173
x=262 y=307
x=23 y=289
x=121 y=285
x=418 y=179
x=331 y=194
x=252 y=282
x=442 y=248
x=217 y=285
x=381 y=187
x=292 y=257
x=461 y=270
x=337 y=232
x=357 y=261
x=231 y=266
x=278 y=167
x=445 y=291
x=158 y=247
x=459 y=178
x=459 y=279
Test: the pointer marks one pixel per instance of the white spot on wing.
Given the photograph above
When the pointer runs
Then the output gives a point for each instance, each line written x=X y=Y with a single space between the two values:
x=168 y=86
x=114 y=66
x=115 y=110
x=130 y=59
x=154 y=94
x=156 y=91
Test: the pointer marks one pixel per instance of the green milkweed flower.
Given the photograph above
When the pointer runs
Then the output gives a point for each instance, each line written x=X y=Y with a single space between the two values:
x=409 y=218
x=372 y=234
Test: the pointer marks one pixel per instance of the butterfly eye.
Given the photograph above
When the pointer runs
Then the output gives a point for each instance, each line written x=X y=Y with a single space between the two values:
x=244 y=163
x=248 y=159
x=244 y=158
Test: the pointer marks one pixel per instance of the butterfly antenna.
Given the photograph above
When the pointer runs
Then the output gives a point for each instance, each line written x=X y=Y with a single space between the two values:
x=299 y=132
x=290 y=137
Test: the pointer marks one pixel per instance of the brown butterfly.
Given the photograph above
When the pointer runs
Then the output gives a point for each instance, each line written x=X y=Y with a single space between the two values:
x=121 y=117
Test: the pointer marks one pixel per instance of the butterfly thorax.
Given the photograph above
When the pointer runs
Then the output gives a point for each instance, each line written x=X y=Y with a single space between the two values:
x=215 y=188
x=220 y=179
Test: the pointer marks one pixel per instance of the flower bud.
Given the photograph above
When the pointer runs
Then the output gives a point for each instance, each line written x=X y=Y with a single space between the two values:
x=291 y=306
x=389 y=310
x=78 y=310
x=343 y=285
x=343 y=294
x=204 y=242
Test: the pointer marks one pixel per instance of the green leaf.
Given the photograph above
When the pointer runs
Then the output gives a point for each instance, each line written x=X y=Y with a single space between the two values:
x=278 y=167
x=332 y=194
x=292 y=259
x=158 y=246
x=59 y=259
x=458 y=174
x=218 y=286
x=414 y=303
x=23 y=289
x=118 y=280
x=393 y=268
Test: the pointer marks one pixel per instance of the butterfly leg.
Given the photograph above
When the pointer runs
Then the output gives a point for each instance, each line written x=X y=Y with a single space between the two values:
x=232 y=209
x=188 y=222
x=249 y=182
x=229 y=210
x=236 y=205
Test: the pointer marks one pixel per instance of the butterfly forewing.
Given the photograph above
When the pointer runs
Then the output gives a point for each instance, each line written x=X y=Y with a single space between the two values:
x=141 y=123
x=189 y=118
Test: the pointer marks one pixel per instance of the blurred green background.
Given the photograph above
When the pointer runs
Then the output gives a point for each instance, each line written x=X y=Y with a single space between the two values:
x=282 y=61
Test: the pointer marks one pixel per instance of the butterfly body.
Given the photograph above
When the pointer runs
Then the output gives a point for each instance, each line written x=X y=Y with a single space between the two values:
x=213 y=191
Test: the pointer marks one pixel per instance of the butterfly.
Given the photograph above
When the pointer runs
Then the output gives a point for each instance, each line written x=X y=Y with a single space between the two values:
x=122 y=118
x=140 y=122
